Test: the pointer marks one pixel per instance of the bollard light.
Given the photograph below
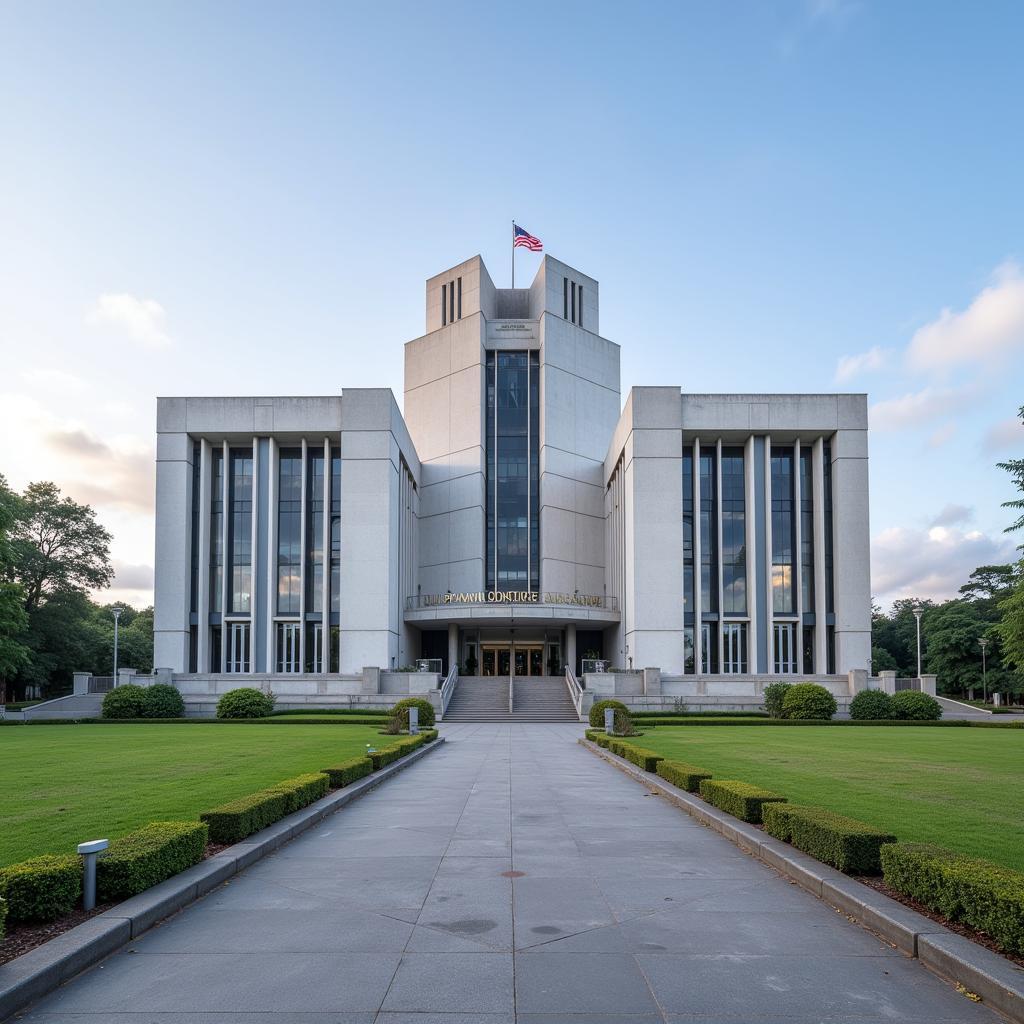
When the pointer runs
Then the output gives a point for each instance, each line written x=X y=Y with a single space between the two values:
x=414 y=721
x=609 y=720
x=88 y=852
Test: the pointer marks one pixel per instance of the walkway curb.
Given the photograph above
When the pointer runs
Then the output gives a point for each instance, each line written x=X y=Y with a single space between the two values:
x=41 y=970
x=998 y=981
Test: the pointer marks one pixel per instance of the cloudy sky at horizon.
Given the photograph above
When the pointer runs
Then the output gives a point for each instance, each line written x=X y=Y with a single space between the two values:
x=788 y=195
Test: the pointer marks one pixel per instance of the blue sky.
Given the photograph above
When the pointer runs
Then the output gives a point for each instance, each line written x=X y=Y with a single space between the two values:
x=246 y=198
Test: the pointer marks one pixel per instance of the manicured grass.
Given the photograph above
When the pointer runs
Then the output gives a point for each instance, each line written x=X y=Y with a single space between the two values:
x=63 y=784
x=959 y=788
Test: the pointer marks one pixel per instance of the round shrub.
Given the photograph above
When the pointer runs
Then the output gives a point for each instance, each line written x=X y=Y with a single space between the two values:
x=808 y=701
x=162 y=701
x=426 y=709
x=245 y=702
x=871 y=704
x=774 y=694
x=915 y=706
x=597 y=711
x=128 y=701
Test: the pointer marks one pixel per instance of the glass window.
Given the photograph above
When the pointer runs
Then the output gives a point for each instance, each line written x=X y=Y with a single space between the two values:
x=240 y=525
x=572 y=299
x=238 y=647
x=809 y=650
x=807 y=529
x=289 y=531
x=314 y=647
x=217 y=532
x=709 y=647
x=215 y=650
x=830 y=649
x=444 y=305
x=193 y=648
x=785 y=647
x=459 y=309
x=288 y=647
x=194 y=576
x=335 y=648
x=335 y=532
x=708 y=533
x=734 y=647
x=513 y=501
x=688 y=536
x=782 y=532
x=829 y=583
x=734 y=533
x=565 y=298
x=579 y=305
x=315 y=532
x=689 y=665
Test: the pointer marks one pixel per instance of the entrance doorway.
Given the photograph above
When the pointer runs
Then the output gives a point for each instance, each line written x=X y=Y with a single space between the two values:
x=509 y=659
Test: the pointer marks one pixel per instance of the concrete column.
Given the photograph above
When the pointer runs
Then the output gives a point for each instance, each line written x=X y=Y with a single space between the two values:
x=302 y=561
x=820 y=635
x=928 y=685
x=257 y=657
x=81 y=683
x=172 y=597
x=718 y=561
x=203 y=590
x=225 y=589
x=750 y=525
x=453 y=645
x=652 y=682
x=858 y=680
x=271 y=595
x=325 y=599
x=769 y=607
x=888 y=678
x=570 y=646
x=798 y=576
x=371 y=680
x=698 y=653
x=125 y=676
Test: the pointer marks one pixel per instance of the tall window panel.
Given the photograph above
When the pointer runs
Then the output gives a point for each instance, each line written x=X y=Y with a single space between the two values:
x=734 y=533
x=216 y=534
x=688 y=538
x=829 y=582
x=194 y=575
x=734 y=647
x=288 y=647
x=807 y=529
x=783 y=531
x=513 y=529
x=240 y=530
x=335 y=540
x=289 y=531
x=315 y=532
x=708 y=533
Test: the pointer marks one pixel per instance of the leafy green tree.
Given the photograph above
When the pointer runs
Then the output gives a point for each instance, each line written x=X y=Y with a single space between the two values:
x=14 y=653
x=1015 y=467
x=58 y=547
x=896 y=634
x=882 y=661
x=1011 y=627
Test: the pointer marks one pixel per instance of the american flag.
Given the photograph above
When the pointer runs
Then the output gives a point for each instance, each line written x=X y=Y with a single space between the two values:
x=524 y=238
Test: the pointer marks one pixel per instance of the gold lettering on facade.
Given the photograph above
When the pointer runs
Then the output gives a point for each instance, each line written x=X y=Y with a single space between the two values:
x=512 y=597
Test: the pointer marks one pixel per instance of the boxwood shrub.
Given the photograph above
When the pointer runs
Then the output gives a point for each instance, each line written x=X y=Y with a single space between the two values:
x=741 y=799
x=642 y=757
x=774 y=694
x=912 y=705
x=302 y=790
x=597 y=711
x=143 y=858
x=871 y=705
x=808 y=701
x=602 y=739
x=846 y=844
x=974 y=892
x=347 y=772
x=233 y=821
x=3 y=916
x=41 y=889
x=128 y=701
x=426 y=711
x=245 y=702
x=685 y=776
x=162 y=701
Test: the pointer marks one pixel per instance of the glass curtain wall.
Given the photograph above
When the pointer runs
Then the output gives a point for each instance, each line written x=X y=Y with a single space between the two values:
x=734 y=533
x=289 y=531
x=513 y=527
x=335 y=589
x=689 y=664
x=240 y=538
x=783 y=598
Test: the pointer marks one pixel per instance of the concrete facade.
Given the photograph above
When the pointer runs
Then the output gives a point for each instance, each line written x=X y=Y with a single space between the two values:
x=513 y=549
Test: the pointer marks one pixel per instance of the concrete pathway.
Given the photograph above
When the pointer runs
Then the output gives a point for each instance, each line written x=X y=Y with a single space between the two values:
x=400 y=910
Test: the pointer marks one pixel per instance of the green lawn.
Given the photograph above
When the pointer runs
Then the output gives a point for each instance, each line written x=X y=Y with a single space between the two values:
x=960 y=788
x=63 y=784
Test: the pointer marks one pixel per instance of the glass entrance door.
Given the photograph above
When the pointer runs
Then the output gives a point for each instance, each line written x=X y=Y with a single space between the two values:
x=499 y=659
x=496 y=659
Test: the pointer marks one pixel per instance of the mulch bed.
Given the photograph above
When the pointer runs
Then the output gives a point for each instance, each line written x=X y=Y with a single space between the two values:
x=22 y=938
x=968 y=933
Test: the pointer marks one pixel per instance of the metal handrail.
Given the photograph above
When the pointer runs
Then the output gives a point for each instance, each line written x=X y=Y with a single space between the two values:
x=575 y=691
x=511 y=691
x=448 y=687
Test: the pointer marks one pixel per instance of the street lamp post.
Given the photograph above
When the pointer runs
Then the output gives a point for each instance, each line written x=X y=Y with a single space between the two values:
x=984 y=682
x=918 y=612
x=117 y=615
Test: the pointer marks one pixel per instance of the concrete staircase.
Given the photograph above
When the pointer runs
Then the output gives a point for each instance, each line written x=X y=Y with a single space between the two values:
x=82 y=705
x=536 y=699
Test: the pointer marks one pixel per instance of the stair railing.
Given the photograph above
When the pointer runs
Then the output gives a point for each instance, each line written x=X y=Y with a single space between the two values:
x=511 y=691
x=575 y=691
x=448 y=687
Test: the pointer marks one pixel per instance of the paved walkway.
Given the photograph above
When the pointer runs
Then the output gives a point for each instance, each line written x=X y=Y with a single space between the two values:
x=398 y=910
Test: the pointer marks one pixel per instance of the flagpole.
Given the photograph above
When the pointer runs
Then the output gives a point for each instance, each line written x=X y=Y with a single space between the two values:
x=513 y=254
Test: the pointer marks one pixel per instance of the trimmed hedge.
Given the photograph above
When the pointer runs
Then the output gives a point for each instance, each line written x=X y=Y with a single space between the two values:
x=846 y=844
x=349 y=771
x=143 y=858
x=743 y=800
x=162 y=701
x=975 y=892
x=774 y=694
x=429 y=735
x=3 y=915
x=642 y=757
x=233 y=821
x=41 y=889
x=808 y=701
x=245 y=702
x=597 y=711
x=603 y=740
x=128 y=701
x=915 y=706
x=871 y=705
x=426 y=711
x=685 y=776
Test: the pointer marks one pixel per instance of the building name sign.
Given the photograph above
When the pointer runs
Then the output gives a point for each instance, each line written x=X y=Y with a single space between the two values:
x=512 y=597
x=514 y=327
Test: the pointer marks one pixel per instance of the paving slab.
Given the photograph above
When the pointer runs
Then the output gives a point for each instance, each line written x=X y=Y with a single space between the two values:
x=511 y=878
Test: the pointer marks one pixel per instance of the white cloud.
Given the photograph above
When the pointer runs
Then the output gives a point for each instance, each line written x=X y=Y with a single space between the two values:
x=54 y=382
x=953 y=514
x=1004 y=434
x=853 y=366
x=918 y=407
x=943 y=435
x=931 y=563
x=989 y=328
x=141 y=319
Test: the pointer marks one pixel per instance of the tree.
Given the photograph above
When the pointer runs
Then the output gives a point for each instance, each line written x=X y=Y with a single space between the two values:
x=1011 y=626
x=58 y=547
x=1015 y=467
x=14 y=654
x=950 y=636
x=896 y=633
x=989 y=583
